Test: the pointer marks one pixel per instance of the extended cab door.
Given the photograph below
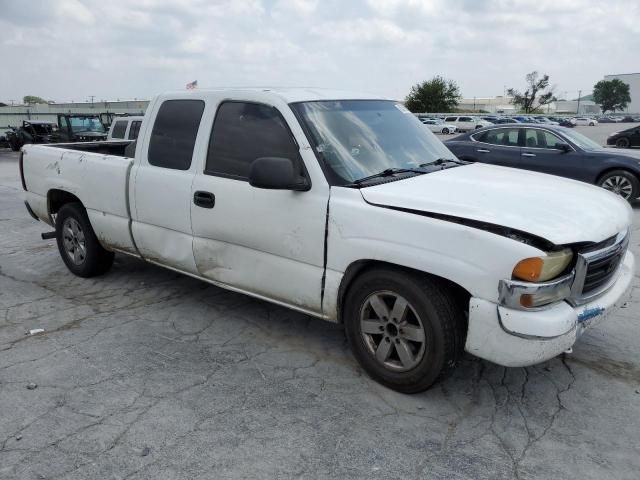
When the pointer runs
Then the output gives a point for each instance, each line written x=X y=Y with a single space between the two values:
x=162 y=178
x=269 y=243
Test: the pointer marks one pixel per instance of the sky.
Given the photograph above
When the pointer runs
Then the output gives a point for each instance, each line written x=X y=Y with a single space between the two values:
x=66 y=50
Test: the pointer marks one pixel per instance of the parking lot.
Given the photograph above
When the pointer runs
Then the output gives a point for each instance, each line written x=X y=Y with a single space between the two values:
x=147 y=374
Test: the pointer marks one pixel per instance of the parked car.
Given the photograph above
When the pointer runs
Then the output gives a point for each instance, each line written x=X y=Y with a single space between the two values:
x=80 y=127
x=626 y=138
x=554 y=150
x=345 y=208
x=502 y=120
x=565 y=122
x=438 y=126
x=584 y=121
x=465 y=122
x=125 y=128
x=546 y=121
x=32 y=131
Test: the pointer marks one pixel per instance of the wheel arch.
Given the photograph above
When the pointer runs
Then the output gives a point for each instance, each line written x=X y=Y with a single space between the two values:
x=57 y=198
x=357 y=268
x=613 y=169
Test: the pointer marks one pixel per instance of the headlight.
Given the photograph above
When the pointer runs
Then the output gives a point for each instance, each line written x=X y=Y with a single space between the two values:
x=544 y=268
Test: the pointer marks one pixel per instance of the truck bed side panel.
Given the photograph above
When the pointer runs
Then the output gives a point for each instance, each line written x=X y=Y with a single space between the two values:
x=99 y=181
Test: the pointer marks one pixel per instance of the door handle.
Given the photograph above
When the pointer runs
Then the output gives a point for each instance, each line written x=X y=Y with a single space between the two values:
x=204 y=199
x=527 y=154
x=483 y=150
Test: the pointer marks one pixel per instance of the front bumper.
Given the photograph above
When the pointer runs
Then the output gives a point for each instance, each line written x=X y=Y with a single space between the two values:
x=518 y=338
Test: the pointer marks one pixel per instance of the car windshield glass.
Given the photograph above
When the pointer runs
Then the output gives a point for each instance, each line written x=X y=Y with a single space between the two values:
x=86 y=124
x=581 y=141
x=358 y=138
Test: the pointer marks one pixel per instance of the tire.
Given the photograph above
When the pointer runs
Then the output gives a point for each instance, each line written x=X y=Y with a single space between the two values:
x=79 y=248
x=445 y=131
x=416 y=350
x=621 y=182
x=622 y=143
x=591 y=124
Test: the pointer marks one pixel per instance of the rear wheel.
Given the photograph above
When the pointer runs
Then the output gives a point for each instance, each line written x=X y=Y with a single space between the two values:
x=621 y=183
x=77 y=243
x=622 y=143
x=404 y=329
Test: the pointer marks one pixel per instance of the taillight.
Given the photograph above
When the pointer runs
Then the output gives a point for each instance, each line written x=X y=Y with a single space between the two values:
x=20 y=163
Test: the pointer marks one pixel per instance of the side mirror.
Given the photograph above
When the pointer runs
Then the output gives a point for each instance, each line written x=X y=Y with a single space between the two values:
x=565 y=147
x=276 y=173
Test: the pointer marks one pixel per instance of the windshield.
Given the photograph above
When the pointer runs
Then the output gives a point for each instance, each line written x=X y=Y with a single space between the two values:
x=581 y=141
x=86 y=124
x=357 y=138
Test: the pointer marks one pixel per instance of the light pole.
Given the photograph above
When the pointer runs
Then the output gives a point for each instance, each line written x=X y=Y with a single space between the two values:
x=578 y=107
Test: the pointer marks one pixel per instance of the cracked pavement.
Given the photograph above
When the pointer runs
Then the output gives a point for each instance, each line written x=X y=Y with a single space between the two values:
x=148 y=374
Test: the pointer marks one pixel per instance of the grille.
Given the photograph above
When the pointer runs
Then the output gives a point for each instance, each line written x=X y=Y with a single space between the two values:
x=600 y=271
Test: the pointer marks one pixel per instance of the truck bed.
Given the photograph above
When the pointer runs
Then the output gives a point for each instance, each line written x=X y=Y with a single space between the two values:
x=117 y=148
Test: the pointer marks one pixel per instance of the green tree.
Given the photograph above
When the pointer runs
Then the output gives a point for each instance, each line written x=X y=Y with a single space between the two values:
x=537 y=94
x=435 y=95
x=611 y=95
x=32 y=99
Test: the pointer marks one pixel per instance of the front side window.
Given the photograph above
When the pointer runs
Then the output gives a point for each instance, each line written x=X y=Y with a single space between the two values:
x=357 y=138
x=536 y=138
x=174 y=134
x=119 y=128
x=243 y=132
x=134 y=130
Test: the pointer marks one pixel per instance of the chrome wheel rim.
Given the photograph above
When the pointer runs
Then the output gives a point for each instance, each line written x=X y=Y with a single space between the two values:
x=392 y=331
x=73 y=240
x=619 y=185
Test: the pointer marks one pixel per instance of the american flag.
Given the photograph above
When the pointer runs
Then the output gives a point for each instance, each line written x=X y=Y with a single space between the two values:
x=192 y=85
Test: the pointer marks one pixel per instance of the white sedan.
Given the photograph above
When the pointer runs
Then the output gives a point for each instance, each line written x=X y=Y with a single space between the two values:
x=438 y=126
x=584 y=121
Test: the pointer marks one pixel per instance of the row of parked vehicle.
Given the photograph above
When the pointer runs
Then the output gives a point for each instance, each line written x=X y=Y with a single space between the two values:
x=71 y=128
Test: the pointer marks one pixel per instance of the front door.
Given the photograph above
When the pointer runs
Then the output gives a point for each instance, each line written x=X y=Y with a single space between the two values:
x=268 y=243
x=541 y=153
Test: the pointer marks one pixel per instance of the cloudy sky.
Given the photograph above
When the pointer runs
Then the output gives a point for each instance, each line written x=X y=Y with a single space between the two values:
x=71 y=49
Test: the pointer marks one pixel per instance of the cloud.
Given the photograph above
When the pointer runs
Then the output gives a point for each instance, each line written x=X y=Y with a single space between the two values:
x=71 y=49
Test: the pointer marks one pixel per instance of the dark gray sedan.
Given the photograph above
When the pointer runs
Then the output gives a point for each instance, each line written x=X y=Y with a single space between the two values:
x=554 y=150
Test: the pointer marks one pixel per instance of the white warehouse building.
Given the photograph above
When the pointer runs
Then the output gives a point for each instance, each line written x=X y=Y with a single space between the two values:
x=633 y=80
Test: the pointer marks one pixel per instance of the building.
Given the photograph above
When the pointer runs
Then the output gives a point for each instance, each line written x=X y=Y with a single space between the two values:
x=633 y=80
x=13 y=115
x=583 y=107
x=487 y=104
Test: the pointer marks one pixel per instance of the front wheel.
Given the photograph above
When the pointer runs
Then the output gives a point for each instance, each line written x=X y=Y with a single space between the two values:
x=405 y=330
x=591 y=124
x=621 y=183
x=445 y=131
x=622 y=143
x=79 y=248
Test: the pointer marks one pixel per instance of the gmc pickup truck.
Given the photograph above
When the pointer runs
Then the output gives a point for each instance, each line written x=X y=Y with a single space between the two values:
x=346 y=208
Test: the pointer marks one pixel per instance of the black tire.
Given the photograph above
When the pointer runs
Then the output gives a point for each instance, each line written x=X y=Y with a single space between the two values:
x=622 y=142
x=93 y=259
x=591 y=124
x=441 y=317
x=445 y=131
x=607 y=180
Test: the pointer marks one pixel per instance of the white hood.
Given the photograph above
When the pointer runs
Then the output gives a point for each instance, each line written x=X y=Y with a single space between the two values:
x=554 y=208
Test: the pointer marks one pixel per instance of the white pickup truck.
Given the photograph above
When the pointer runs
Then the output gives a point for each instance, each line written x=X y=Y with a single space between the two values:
x=348 y=209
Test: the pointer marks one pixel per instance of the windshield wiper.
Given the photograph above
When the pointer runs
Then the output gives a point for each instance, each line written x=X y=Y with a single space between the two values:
x=442 y=161
x=388 y=173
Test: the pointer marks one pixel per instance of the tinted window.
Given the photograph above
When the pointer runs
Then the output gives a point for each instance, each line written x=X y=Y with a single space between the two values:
x=535 y=138
x=466 y=119
x=119 y=129
x=174 y=134
x=450 y=119
x=243 y=132
x=134 y=130
x=501 y=136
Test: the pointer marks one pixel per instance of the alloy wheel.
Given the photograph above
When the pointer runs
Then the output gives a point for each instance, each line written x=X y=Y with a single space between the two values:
x=74 y=241
x=392 y=331
x=619 y=185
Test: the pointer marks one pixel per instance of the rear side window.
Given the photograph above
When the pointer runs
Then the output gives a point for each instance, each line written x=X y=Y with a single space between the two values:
x=119 y=129
x=174 y=134
x=243 y=132
x=507 y=137
x=134 y=130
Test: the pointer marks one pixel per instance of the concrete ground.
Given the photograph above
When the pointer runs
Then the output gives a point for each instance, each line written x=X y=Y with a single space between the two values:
x=147 y=374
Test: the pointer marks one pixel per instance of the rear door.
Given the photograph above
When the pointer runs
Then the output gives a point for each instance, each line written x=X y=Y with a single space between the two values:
x=497 y=146
x=269 y=243
x=162 y=179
